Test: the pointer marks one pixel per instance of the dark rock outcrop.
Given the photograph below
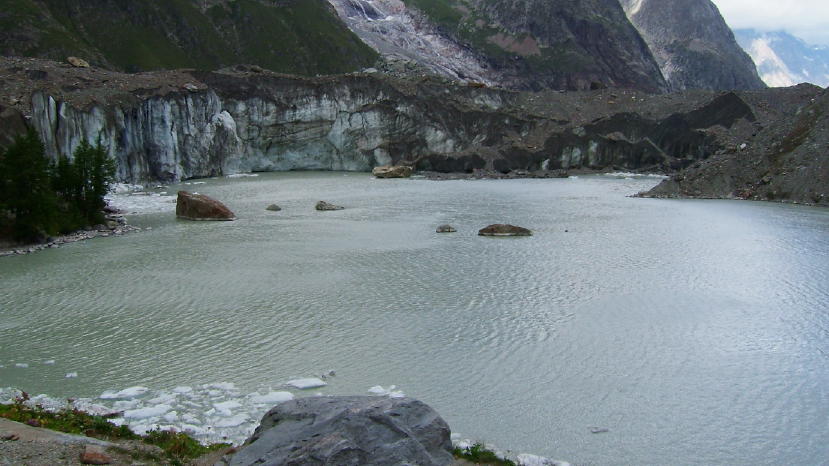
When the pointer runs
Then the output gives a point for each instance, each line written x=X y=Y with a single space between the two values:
x=446 y=229
x=273 y=208
x=694 y=47
x=504 y=230
x=190 y=206
x=325 y=206
x=394 y=171
x=520 y=44
x=787 y=161
x=348 y=431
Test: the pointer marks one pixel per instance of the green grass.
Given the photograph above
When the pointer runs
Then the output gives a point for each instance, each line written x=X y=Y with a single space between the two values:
x=177 y=446
x=478 y=454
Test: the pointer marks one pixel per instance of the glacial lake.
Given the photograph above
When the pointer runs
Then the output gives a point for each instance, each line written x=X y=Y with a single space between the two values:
x=682 y=331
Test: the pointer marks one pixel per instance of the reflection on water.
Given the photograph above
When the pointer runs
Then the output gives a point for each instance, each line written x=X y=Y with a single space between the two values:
x=697 y=332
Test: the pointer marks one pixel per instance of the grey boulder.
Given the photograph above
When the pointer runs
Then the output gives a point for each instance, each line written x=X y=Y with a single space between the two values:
x=350 y=430
x=322 y=205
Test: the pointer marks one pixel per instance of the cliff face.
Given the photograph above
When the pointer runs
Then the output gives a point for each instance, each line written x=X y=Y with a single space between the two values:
x=693 y=45
x=522 y=44
x=291 y=36
x=173 y=125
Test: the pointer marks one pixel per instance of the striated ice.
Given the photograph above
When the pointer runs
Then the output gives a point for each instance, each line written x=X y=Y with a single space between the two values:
x=132 y=392
x=144 y=413
x=304 y=384
x=225 y=408
x=271 y=398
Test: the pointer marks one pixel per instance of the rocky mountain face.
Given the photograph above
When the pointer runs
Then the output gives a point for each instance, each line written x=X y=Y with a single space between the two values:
x=693 y=45
x=520 y=44
x=784 y=60
x=172 y=125
x=787 y=160
x=292 y=36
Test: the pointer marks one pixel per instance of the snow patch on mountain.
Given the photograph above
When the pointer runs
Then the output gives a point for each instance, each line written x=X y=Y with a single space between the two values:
x=784 y=60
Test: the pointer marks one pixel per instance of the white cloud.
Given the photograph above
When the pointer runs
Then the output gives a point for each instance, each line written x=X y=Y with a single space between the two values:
x=808 y=19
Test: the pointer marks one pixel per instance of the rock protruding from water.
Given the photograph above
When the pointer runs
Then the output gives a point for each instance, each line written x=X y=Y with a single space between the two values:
x=504 y=230
x=273 y=208
x=392 y=171
x=77 y=62
x=351 y=430
x=446 y=229
x=324 y=206
x=191 y=206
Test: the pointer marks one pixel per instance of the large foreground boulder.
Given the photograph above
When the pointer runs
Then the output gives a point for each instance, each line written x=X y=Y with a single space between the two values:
x=395 y=171
x=192 y=206
x=504 y=230
x=350 y=430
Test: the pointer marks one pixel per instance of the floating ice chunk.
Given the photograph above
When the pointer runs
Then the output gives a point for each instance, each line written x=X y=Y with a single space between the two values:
x=71 y=375
x=124 y=405
x=171 y=417
x=391 y=392
x=304 y=384
x=272 y=398
x=183 y=389
x=145 y=413
x=227 y=386
x=225 y=408
x=118 y=421
x=143 y=429
x=233 y=421
x=242 y=175
x=190 y=419
x=525 y=459
x=192 y=430
x=127 y=393
x=86 y=405
x=163 y=398
x=49 y=362
x=21 y=365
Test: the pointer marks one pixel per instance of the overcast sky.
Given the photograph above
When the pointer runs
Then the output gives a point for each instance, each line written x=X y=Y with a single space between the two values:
x=807 y=19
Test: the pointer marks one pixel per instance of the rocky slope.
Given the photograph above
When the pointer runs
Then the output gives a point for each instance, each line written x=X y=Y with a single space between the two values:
x=292 y=36
x=172 y=125
x=522 y=44
x=784 y=60
x=693 y=45
x=786 y=161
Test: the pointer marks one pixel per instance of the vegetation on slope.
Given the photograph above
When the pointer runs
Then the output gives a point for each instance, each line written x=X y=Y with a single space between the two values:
x=177 y=446
x=290 y=36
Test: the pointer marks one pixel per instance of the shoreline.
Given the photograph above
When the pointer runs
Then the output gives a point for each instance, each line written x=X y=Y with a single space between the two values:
x=101 y=231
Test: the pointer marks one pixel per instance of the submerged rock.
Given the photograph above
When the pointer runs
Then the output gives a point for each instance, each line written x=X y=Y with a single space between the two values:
x=446 y=229
x=396 y=171
x=190 y=206
x=350 y=430
x=322 y=205
x=504 y=230
x=273 y=208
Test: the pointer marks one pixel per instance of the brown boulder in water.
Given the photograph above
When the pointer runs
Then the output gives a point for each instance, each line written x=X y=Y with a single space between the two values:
x=392 y=171
x=504 y=230
x=190 y=206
